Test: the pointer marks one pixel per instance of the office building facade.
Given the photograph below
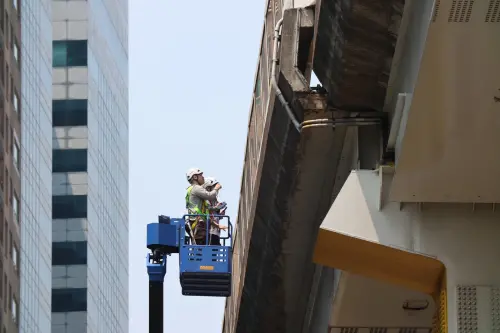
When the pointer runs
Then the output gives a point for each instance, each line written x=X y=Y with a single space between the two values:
x=10 y=170
x=25 y=178
x=36 y=159
x=90 y=166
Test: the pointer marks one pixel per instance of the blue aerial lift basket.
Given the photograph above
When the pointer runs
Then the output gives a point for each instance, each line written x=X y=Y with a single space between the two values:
x=205 y=270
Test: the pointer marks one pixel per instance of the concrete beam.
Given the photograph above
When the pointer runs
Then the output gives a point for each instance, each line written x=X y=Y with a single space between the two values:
x=322 y=301
x=354 y=49
x=296 y=38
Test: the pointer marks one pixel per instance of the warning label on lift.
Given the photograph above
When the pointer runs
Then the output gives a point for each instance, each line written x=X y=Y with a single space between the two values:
x=207 y=268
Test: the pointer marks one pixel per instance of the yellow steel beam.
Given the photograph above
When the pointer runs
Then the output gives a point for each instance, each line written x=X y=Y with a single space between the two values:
x=357 y=256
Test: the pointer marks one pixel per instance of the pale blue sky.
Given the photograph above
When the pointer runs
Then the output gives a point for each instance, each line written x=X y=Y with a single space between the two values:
x=192 y=66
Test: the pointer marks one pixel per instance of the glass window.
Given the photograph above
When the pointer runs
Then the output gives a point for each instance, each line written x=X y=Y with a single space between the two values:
x=14 y=309
x=59 y=54
x=69 y=253
x=67 y=53
x=69 y=160
x=15 y=101
x=69 y=112
x=16 y=150
x=15 y=51
x=15 y=256
x=69 y=300
x=15 y=207
x=77 y=52
x=69 y=206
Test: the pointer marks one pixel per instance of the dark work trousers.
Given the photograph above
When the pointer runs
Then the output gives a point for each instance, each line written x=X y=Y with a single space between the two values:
x=214 y=240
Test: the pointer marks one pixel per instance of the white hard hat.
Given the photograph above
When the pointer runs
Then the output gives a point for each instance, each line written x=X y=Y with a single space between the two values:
x=193 y=172
x=209 y=181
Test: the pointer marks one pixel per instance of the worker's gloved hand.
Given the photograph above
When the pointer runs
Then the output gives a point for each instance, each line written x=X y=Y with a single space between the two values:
x=218 y=186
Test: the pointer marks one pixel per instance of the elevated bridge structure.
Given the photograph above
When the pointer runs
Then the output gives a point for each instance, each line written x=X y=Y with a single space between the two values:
x=378 y=212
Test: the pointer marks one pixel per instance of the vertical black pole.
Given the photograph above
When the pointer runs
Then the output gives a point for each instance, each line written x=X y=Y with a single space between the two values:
x=155 y=306
x=207 y=228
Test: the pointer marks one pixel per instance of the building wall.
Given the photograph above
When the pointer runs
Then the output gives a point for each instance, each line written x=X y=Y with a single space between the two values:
x=90 y=179
x=256 y=126
x=108 y=165
x=36 y=166
x=10 y=164
x=69 y=224
x=259 y=120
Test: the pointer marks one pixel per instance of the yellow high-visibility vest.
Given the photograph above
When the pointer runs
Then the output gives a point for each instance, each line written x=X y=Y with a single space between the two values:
x=193 y=209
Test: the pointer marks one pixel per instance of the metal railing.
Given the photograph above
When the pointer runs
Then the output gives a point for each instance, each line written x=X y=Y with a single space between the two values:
x=207 y=220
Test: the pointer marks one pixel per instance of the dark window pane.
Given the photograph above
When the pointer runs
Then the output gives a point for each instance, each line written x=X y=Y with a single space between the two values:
x=70 y=104
x=69 y=253
x=69 y=160
x=69 y=53
x=59 y=55
x=69 y=300
x=77 y=52
x=69 y=206
x=69 y=112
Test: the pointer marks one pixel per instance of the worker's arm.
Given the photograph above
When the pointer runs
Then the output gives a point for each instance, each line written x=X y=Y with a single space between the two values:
x=203 y=194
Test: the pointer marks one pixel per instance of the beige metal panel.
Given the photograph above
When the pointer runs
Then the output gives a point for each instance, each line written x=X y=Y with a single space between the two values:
x=364 y=302
x=450 y=149
x=358 y=238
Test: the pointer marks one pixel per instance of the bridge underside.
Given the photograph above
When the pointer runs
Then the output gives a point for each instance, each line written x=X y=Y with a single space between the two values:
x=302 y=173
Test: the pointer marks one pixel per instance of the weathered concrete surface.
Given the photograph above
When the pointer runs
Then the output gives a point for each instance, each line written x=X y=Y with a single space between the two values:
x=354 y=49
x=293 y=194
x=301 y=173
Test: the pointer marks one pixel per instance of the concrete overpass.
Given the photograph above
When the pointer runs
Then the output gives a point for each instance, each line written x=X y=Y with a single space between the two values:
x=409 y=102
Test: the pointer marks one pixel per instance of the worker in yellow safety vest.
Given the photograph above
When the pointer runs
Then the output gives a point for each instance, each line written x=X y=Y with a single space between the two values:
x=196 y=203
